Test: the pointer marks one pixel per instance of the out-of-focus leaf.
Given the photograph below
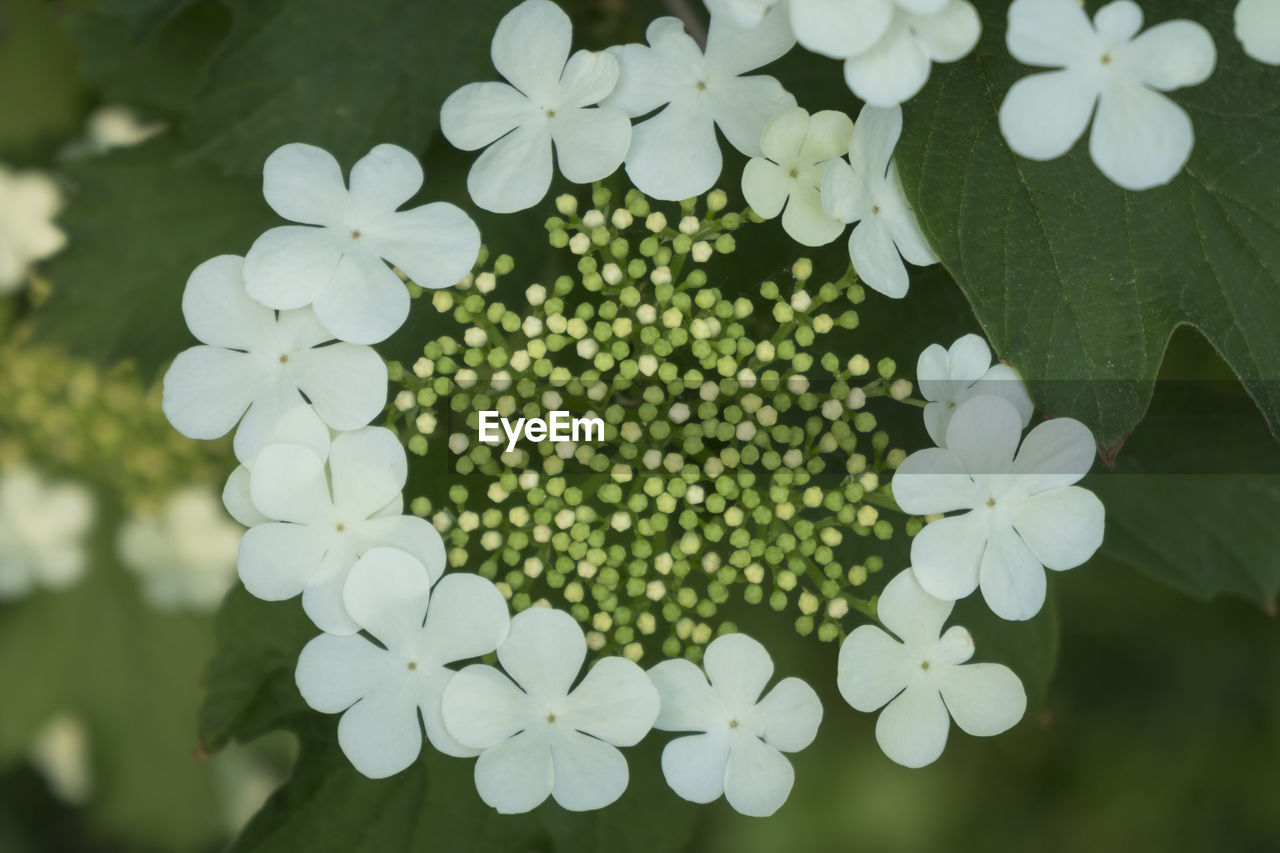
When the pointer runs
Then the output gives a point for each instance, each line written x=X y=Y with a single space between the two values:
x=41 y=96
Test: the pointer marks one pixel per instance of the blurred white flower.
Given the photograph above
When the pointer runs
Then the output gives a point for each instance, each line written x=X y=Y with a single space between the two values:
x=865 y=190
x=921 y=677
x=738 y=752
x=1140 y=138
x=949 y=377
x=381 y=690
x=539 y=735
x=185 y=555
x=549 y=100
x=29 y=202
x=258 y=365
x=60 y=753
x=42 y=532
x=1258 y=28
x=675 y=154
x=335 y=261
x=116 y=126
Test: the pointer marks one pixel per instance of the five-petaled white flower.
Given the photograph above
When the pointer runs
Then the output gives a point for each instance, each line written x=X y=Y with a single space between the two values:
x=29 y=201
x=1023 y=513
x=739 y=751
x=258 y=365
x=948 y=377
x=797 y=148
x=1258 y=28
x=1140 y=138
x=42 y=531
x=540 y=735
x=334 y=262
x=888 y=46
x=324 y=520
x=921 y=678
x=380 y=691
x=869 y=193
x=674 y=154
x=549 y=101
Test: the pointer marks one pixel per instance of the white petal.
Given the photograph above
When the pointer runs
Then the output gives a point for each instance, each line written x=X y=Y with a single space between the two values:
x=913 y=614
x=588 y=78
x=530 y=47
x=334 y=673
x=984 y=699
x=382 y=180
x=516 y=775
x=1172 y=55
x=1140 y=138
x=1258 y=28
x=897 y=214
x=765 y=186
x=482 y=707
x=742 y=106
x=480 y=113
x=734 y=50
x=409 y=533
x=589 y=774
x=912 y=729
x=1118 y=21
x=840 y=28
x=675 y=155
x=365 y=302
x=544 y=652
x=430 y=704
x=346 y=383
x=892 y=71
x=695 y=766
x=288 y=483
x=276 y=561
x=953 y=648
x=787 y=718
x=1062 y=527
x=783 y=136
x=218 y=309
x=934 y=480
x=369 y=469
x=1002 y=380
x=1043 y=115
x=616 y=702
x=298 y=424
x=968 y=358
x=876 y=260
x=435 y=244
x=236 y=500
x=322 y=598
x=758 y=777
x=947 y=554
x=1057 y=453
x=688 y=702
x=381 y=734
x=984 y=433
x=873 y=668
x=805 y=220
x=829 y=134
x=875 y=135
x=386 y=594
x=207 y=390
x=303 y=183
x=467 y=618
x=515 y=172
x=843 y=194
x=648 y=77
x=287 y=266
x=936 y=418
x=1050 y=33
x=738 y=667
x=1012 y=579
x=590 y=144
x=949 y=34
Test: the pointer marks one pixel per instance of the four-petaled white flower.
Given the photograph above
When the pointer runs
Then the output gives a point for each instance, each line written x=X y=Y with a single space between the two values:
x=29 y=201
x=540 y=735
x=739 y=751
x=381 y=691
x=334 y=262
x=258 y=365
x=1258 y=28
x=869 y=193
x=949 y=377
x=549 y=101
x=921 y=678
x=42 y=531
x=674 y=154
x=1023 y=513
x=888 y=46
x=1140 y=138
x=323 y=520
x=797 y=148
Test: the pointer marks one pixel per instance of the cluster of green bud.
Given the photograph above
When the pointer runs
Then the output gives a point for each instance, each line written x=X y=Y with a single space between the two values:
x=739 y=456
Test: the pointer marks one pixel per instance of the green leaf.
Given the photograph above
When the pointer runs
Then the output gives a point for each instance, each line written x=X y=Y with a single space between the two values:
x=42 y=99
x=1079 y=283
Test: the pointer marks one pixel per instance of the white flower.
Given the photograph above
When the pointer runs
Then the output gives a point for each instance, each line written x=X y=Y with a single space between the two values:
x=1258 y=28
x=745 y=13
x=540 y=735
x=325 y=519
x=42 y=532
x=888 y=46
x=739 y=751
x=1023 y=513
x=116 y=126
x=60 y=752
x=1140 y=138
x=547 y=102
x=29 y=201
x=186 y=554
x=869 y=193
x=948 y=377
x=674 y=154
x=797 y=148
x=921 y=678
x=381 y=690
x=258 y=365
x=338 y=268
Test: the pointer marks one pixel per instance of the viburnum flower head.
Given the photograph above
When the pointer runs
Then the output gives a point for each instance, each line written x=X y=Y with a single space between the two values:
x=921 y=677
x=1140 y=138
x=1258 y=28
x=541 y=736
x=257 y=365
x=866 y=190
x=788 y=178
x=42 y=531
x=29 y=201
x=674 y=154
x=1022 y=512
x=949 y=377
x=548 y=101
x=888 y=46
x=325 y=517
x=334 y=262
x=738 y=752
x=381 y=690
